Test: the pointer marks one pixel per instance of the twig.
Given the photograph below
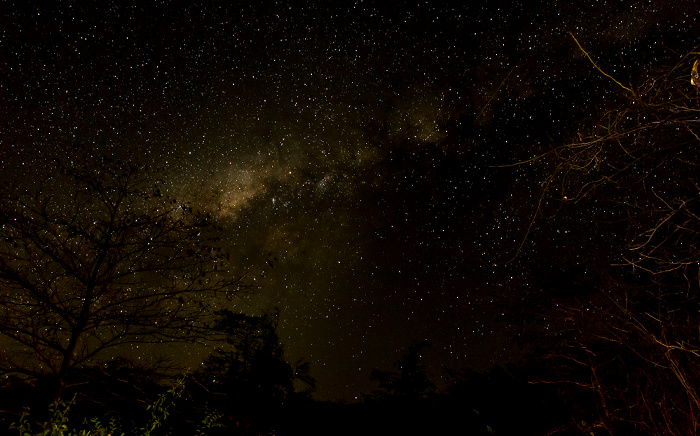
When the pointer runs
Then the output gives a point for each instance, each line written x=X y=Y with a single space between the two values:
x=598 y=68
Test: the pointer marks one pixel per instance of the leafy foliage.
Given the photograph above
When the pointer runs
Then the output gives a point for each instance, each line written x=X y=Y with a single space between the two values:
x=59 y=423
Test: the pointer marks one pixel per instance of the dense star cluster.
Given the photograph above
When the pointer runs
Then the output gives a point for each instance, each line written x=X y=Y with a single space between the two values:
x=358 y=157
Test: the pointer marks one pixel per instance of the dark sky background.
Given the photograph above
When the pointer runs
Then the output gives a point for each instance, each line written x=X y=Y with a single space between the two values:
x=357 y=144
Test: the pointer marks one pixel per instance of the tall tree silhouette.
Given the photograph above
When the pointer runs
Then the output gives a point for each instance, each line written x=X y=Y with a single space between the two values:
x=95 y=256
x=409 y=380
x=251 y=365
x=247 y=376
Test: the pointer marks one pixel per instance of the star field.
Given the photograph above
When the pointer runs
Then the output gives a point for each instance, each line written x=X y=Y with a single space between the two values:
x=362 y=147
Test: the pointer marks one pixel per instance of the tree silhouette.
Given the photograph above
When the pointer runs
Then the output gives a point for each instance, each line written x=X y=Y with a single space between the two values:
x=252 y=364
x=409 y=380
x=94 y=257
x=247 y=377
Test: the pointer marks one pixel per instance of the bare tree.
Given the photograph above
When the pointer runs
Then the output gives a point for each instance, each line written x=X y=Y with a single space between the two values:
x=641 y=165
x=641 y=159
x=94 y=257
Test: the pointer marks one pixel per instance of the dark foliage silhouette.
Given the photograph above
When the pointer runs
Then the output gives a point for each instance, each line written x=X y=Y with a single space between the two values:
x=247 y=378
x=409 y=380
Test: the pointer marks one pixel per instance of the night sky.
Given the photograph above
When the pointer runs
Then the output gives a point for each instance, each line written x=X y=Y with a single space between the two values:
x=362 y=149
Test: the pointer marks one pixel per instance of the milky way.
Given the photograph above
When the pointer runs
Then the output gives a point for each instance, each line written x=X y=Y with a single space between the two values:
x=357 y=149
